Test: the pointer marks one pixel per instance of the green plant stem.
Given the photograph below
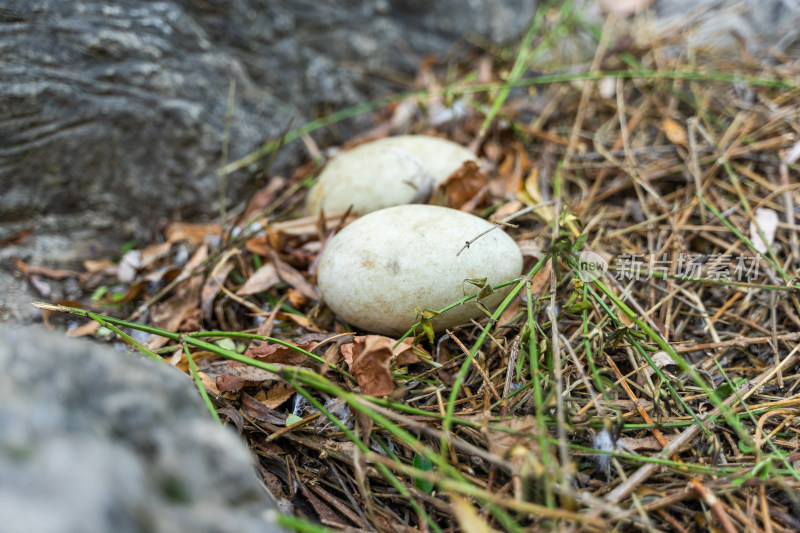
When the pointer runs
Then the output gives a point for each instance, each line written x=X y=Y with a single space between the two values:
x=199 y=383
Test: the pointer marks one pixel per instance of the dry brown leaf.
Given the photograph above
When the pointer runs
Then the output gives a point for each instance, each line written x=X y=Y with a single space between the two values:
x=406 y=352
x=463 y=184
x=293 y=277
x=192 y=233
x=261 y=280
x=541 y=279
x=301 y=320
x=84 y=329
x=258 y=245
x=675 y=132
x=278 y=394
x=296 y=298
x=510 y=312
x=307 y=226
x=106 y=266
x=507 y=209
x=180 y=361
x=263 y=197
x=277 y=353
x=47 y=272
x=154 y=252
x=252 y=407
x=214 y=282
x=133 y=292
x=370 y=358
x=208 y=383
x=171 y=313
x=229 y=383
x=531 y=195
x=252 y=376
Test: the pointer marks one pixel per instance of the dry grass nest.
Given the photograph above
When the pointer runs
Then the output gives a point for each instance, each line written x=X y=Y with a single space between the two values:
x=663 y=395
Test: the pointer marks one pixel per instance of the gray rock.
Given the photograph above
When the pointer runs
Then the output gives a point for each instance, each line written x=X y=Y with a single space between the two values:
x=95 y=441
x=112 y=112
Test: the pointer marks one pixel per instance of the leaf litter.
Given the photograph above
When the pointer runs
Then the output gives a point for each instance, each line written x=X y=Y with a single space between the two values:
x=661 y=396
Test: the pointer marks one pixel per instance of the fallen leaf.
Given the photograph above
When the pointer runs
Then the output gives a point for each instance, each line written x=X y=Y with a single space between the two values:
x=307 y=226
x=300 y=320
x=132 y=293
x=542 y=278
x=154 y=252
x=507 y=209
x=767 y=220
x=84 y=329
x=180 y=361
x=327 y=516
x=258 y=245
x=208 y=383
x=263 y=197
x=531 y=195
x=278 y=394
x=254 y=408
x=261 y=280
x=371 y=356
x=171 y=313
x=293 y=277
x=106 y=266
x=47 y=272
x=229 y=383
x=511 y=311
x=277 y=353
x=463 y=184
x=192 y=233
x=251 y=376
x=296 y=298
x=405 y=353
x=215 y=281
x=675 y=132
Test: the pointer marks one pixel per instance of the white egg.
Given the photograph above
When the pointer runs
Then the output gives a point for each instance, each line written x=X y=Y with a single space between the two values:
x=384 y=173
x=376 y=271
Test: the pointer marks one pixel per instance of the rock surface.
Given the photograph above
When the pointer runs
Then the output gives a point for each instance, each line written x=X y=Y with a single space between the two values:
x=94 y=441
x=386 y=172
x=113 y=112
x=375 y=271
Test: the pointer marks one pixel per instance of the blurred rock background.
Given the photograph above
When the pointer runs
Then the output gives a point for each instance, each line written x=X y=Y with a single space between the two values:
x=113 y=113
